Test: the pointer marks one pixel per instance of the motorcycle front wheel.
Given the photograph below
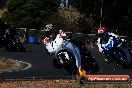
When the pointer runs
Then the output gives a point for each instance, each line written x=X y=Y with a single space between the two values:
x=121 y=58
x=20 y=48
x=68 y=61
x=12 y=45
x=57 y=64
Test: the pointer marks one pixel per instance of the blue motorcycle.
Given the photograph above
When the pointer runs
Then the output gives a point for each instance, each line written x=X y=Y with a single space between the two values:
x=118 y=51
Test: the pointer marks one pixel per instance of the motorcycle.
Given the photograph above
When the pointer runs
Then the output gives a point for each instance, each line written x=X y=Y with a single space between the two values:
x=118 y=51
x=10 y=41
x=68 y=53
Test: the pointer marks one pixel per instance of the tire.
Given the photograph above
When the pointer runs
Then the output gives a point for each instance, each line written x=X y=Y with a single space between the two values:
x=20 y=48
x=1 y=45
x=93 y=68
x=57 y=64
x=130 y=52
x=90 y=64
x=69 y=65
x=123 y=63
x=18 y=45
x=12 y=45
x=7 y=45
x=8 y=48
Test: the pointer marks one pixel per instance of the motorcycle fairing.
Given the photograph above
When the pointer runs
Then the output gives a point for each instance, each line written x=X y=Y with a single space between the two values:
x=109 y=45
x=53 y=46
x=114 y=42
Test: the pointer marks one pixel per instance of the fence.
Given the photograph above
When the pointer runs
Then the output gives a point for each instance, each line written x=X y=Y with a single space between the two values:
x=29 y=36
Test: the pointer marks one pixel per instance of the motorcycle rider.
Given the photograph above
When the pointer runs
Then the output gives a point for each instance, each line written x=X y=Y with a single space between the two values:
x=51 y=34
x=103 y=35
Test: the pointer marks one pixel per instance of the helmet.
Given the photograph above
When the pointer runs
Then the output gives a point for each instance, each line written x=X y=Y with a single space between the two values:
x=60 y=31
x=48 y=27
x=102 y=31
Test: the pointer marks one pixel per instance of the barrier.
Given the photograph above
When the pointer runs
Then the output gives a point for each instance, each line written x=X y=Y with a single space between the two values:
x=36 y=36
x=31 y=39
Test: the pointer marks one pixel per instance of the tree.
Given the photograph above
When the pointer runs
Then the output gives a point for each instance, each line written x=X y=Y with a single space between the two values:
x=29 y=13
x=2 y=3
x=84 y=6
x=88 y=9
x=114 y=12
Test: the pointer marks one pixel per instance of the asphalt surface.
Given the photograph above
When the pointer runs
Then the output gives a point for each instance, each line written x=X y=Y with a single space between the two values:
x=42 y=64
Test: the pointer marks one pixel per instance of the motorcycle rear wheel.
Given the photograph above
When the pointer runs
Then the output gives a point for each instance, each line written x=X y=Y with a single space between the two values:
x=90 y=64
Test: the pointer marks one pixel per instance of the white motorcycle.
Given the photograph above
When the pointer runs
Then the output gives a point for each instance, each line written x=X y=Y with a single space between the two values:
x=71 y=54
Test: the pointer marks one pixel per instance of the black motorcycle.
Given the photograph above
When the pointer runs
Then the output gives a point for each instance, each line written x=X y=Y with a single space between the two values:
x=12 y=44
x=9 y=40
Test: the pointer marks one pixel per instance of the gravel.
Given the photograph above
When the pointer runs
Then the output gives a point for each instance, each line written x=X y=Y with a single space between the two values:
x=58 y=84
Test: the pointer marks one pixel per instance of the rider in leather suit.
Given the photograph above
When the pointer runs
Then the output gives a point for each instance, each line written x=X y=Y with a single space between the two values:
x=103 y=38
x=51 y=34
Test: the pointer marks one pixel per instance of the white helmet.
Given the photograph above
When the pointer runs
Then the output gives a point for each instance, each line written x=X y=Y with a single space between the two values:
x=48 y=27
